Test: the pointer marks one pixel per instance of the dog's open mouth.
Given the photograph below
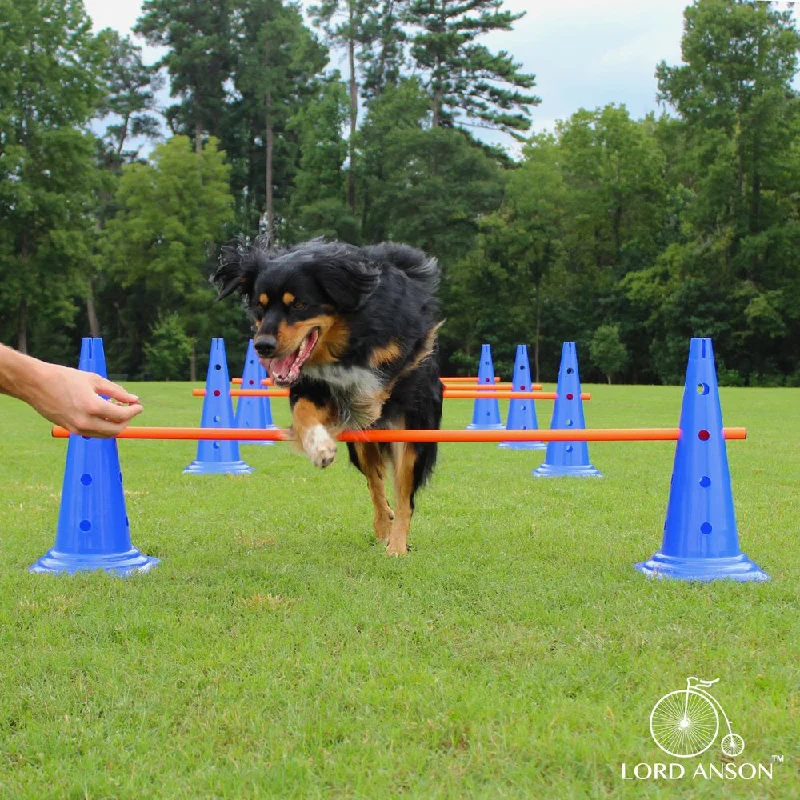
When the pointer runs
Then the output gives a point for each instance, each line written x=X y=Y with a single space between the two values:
x=285 y=370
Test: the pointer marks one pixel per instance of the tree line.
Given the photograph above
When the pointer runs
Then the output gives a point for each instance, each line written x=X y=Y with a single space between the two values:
x=359 y=120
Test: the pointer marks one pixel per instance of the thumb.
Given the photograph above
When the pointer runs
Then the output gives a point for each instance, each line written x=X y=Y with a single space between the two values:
x=114 y=391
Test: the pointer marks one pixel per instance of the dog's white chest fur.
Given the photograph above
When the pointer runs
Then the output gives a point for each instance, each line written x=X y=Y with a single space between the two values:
x=355 y=389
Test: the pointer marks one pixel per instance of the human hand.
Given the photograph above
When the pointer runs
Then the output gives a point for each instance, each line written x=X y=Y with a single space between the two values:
x=71 y=398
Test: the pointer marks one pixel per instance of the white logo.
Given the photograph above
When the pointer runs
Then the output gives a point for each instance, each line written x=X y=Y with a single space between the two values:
x=685 y=723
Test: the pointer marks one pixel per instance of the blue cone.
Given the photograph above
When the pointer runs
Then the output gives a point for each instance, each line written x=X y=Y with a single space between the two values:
x=486 y=411
x=93 y=531
x=522 y=413
x=567 y=458
x=217 y=457
x=700 y=538
x=253 y=412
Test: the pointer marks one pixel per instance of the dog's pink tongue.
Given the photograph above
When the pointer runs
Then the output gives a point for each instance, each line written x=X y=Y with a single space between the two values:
x=279 y=367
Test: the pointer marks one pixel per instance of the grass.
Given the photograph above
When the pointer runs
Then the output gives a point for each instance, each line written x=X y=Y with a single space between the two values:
x=277 y=652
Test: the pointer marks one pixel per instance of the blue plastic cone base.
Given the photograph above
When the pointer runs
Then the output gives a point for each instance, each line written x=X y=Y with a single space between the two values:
x=218 y=457
x=121 y=564
x=701 y=541
x=566 y=471
x=523 y=445
x=217 y=468
x=488 y=426
x=93 y=531
x=486 y=411
x=735 y=568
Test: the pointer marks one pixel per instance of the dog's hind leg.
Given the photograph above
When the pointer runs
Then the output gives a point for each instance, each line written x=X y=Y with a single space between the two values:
x=404 y=458
x=369 y=459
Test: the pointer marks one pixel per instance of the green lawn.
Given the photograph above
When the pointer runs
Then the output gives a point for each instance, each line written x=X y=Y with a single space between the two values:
x=277 y=652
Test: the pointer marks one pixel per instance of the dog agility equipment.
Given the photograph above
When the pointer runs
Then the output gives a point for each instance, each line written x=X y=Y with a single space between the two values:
x=441 y=435
x=93 y=530
x=253 y=412
x=449 y=394
x=218 y=456
x=522 y=413
x=700 y=541
x=565 y=458
x=486 y=411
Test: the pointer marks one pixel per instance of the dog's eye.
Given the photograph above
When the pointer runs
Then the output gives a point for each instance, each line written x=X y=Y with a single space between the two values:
x=298 y=305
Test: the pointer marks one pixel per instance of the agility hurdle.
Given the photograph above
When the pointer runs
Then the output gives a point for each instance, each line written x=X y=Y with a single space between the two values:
x=700 y=539
x=449 y=394
x=536 y=387
x=440 y=435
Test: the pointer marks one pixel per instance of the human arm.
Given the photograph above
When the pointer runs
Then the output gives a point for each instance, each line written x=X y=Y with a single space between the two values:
x=65 y=396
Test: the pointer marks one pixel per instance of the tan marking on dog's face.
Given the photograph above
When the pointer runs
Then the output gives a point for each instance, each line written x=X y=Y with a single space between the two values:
x=385 y=354
x=334 y=336
x=288 y=298
x=263 y=299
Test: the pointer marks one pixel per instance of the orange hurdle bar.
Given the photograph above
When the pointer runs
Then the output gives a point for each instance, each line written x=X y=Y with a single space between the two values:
x=453 y=382
x=449 y=394
x=583 y=435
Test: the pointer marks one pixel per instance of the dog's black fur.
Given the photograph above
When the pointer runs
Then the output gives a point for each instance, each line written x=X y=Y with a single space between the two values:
x=375 y=313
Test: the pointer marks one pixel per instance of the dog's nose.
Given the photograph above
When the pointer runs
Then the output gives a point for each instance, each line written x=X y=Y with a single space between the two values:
x=265 y=345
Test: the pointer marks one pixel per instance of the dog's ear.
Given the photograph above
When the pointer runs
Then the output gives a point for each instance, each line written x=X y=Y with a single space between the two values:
x=348 y=278
x=237 y=270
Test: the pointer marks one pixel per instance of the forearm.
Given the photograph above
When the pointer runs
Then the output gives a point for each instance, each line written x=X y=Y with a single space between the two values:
x=20 y=375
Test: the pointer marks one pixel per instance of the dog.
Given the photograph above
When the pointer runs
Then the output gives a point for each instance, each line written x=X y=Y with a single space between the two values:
x=352 y=331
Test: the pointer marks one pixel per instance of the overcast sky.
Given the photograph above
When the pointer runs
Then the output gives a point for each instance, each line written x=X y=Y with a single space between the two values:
x=584 y=53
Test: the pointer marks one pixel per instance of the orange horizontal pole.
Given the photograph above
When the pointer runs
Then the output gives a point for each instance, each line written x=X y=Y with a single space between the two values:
x=455 y=382
x=561 y=435
x=449 y=394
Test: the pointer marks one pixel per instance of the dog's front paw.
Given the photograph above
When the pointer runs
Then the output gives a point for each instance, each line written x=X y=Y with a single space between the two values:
x=319 y=446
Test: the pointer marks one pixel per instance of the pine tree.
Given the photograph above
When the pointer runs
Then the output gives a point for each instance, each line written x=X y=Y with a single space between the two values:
x=468 y=84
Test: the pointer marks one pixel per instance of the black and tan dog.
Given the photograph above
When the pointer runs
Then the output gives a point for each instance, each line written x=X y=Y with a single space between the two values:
x=352 y=332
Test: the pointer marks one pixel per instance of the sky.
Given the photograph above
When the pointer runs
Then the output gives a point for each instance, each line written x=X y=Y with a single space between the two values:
x=584 y=53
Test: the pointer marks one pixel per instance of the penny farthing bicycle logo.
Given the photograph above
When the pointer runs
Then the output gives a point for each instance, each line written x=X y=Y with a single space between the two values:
x=685 y=723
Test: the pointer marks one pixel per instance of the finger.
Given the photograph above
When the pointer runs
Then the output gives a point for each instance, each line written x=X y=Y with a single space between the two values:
x=101 y=428
x=115 y=413
x=105 y=386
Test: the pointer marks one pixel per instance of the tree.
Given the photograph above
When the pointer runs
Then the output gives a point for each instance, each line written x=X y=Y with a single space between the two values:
x=741 y=118
x=467 y=82
x=277 y=59
x=167 y=349
x=172 y=214
x=607 y=351
x=50 y=86
x=198 y=37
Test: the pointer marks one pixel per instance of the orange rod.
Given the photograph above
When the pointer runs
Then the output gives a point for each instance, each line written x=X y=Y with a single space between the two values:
x=583 y=435
x=456 y=382
x=449 y=394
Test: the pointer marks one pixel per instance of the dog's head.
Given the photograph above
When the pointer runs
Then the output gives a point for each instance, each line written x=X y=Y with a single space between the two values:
x=301 y=299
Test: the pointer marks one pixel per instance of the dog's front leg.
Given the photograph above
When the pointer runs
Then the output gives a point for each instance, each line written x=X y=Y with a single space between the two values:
x=310 y=425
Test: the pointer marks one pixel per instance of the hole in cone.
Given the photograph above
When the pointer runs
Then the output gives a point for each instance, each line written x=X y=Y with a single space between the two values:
x=216 y=392
x=569 y=448
x=570 y=371
x=702 y=388
x=570 y=396
x=217 y=366
x=85 y=525
x=705 y=481
x=570 y=423
x=704 y=436
x=86 y=479
x=217 y=418
x=705 y=528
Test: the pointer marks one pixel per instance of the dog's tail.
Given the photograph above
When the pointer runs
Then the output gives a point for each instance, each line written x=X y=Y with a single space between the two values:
x=416 y=264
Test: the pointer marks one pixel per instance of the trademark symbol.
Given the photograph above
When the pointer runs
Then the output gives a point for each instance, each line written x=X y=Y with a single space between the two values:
x=777 y=759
